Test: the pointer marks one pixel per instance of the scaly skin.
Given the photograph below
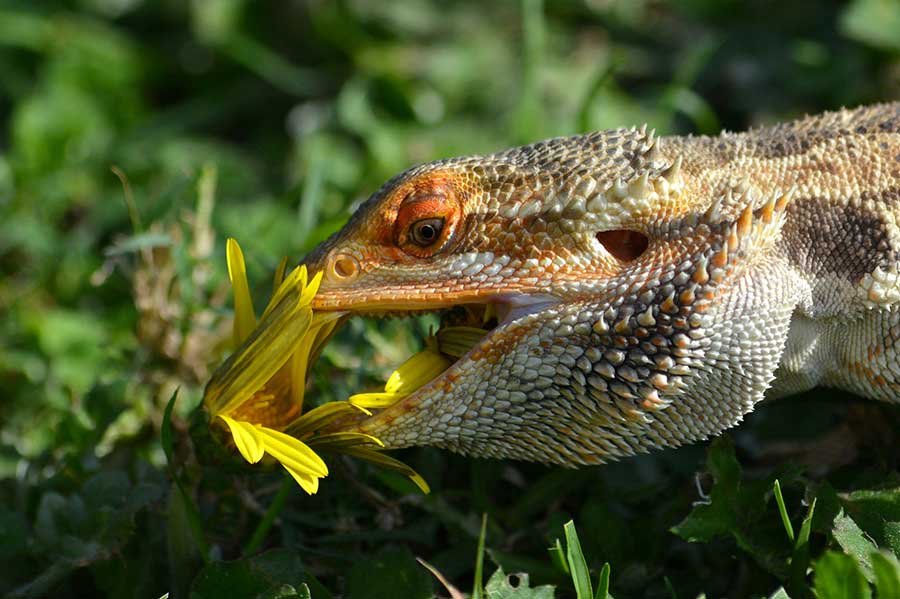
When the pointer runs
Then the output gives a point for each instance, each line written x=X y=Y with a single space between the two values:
x=771 y=266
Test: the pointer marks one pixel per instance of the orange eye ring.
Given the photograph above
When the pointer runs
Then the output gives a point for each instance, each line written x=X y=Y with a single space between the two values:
x=426 y=223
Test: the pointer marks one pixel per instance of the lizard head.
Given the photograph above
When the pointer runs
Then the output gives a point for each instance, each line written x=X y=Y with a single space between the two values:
x=512 y=229
x=589 y=250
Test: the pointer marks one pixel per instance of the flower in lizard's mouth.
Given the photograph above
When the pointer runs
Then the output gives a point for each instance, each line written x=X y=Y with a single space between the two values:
x=257 y=393
x=460 y=331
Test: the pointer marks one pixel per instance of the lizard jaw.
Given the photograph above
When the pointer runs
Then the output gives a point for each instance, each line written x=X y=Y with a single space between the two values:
x=509 y=307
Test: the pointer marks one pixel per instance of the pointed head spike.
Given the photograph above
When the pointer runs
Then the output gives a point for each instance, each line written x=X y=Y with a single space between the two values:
x=640 y=187
x=767 y=212
x=653 y=153
x=745 y=221
x=720 y=258
x=785 y=198
x=673 y=173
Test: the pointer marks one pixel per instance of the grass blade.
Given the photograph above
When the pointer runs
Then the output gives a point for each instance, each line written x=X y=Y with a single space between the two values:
x=800 y=559
x=558 y=557
x=779 y=499
x=581 y=577
x=262 y=529
x=478 y=585
x=603 y=582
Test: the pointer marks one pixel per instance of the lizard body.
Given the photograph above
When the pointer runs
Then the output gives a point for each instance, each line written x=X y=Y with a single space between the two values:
x=651 y=290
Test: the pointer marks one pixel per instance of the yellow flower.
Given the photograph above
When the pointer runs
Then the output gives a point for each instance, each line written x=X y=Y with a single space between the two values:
x=422 y=367
x=258 y=391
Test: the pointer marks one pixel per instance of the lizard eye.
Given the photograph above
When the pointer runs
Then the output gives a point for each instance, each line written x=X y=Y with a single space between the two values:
x=427 y=223
x=426 y=231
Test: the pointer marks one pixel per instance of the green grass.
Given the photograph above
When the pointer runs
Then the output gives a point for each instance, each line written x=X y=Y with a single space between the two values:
x=138 y=136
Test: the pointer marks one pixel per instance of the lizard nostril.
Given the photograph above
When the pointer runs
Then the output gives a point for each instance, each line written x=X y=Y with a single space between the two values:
x=342 y=266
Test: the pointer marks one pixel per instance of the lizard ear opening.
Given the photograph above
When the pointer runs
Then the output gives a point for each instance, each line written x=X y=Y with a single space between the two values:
x=622 y=244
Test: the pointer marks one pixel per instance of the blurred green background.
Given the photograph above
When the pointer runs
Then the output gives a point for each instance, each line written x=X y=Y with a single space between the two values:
x=137 y=136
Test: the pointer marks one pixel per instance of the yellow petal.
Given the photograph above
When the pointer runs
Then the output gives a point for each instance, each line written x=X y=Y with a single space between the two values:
x=375 y=400
x=420 y=482
x=258 y=359
x=303 y=275
x=244 y=317
x=307 y=482
x=337 y=441
x=490 y=311
x=279 y=274
x=457 y=341
x=320 y=416
x=326 y=323
x=294 y=286
x=246 y=439
x=292 y=453
x=416 y=371
x=312 y=288
x=319 y=330
x=384 y=461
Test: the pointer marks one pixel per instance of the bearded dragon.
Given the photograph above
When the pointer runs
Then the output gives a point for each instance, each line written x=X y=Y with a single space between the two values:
x=650 y=290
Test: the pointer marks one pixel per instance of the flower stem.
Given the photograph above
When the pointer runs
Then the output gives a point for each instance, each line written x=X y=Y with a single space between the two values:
x=262 y=529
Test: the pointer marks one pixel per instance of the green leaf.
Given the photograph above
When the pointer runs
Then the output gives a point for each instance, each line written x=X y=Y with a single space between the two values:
x=276 y=573
x=515 y=586
x=892 y=536
x=886 y=569
x=718 y=516
x=285 y=591
x=191 y=513
x=13 y=533
x=390 y=574
x=165 y=434
x=875 y=22
x=581 y=576
x=603 y=582
x=877 y=512
x=853 y=541
x=838 y=576
x=108 y=488
x=739 y=509
x=184 y=555
x=780 y=594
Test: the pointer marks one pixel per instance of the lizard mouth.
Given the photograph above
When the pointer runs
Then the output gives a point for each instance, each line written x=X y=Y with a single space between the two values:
x=465 y=329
